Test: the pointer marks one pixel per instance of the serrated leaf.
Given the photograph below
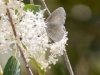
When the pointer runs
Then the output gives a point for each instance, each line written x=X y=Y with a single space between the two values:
x=36 y=64
x=12 y=67
x=32 y=7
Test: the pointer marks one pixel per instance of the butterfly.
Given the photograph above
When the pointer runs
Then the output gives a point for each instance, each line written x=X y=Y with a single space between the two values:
x=55 y=24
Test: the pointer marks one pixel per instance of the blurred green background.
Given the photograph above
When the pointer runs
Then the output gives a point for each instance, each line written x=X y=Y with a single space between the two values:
x=83 y=26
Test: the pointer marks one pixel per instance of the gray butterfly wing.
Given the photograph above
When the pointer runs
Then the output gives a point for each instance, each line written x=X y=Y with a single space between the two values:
x=55 y=24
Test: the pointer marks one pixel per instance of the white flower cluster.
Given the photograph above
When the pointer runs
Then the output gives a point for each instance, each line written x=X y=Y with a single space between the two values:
x=6 y=33
x=31 y=28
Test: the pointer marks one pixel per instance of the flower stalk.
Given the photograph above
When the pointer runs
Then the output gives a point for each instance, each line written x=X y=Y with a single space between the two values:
x=68 y=63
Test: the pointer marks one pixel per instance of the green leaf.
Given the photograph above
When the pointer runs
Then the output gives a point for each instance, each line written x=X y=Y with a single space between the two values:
x=37 y=66
x=24 y=45
x=32 y=7
x=12 y=67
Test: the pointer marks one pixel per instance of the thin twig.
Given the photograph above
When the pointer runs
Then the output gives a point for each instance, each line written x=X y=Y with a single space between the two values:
x=44 y=5
x=31 y=2
x=68 y=63
x=27 y=66
x=14 y=31
x=12 y=25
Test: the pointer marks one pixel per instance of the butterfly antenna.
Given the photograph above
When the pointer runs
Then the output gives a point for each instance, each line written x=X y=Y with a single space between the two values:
x=45 y=6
